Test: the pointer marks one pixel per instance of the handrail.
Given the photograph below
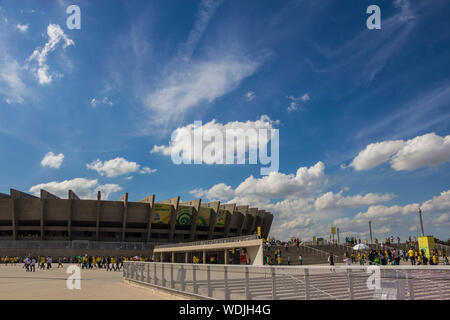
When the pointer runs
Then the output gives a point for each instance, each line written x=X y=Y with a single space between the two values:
x=205 y=242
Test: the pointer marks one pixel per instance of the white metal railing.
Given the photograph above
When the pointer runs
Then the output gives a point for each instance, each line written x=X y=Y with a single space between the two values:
x=300 y=282
x=204 y=242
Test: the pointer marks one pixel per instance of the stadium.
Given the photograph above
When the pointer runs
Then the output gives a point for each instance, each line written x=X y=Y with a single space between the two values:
x=51 y=225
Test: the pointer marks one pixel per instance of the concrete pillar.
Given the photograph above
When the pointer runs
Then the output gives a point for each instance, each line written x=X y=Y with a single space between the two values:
x=226 y=256
x=125 y=213
x=13 y=218
x=204 y=256
x=186 y=257
x=97 y=223
x=161 y=258
x=42 y=209
x=173 y=257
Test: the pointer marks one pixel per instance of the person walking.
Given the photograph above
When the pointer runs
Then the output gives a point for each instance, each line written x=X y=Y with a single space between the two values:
x=60 y=262
x=49 y=262
x=300 y=260
x=33 y=264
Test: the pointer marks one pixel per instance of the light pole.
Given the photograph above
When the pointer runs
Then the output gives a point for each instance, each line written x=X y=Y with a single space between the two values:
x=338 y=234
x=370 y=229
x=421 y=222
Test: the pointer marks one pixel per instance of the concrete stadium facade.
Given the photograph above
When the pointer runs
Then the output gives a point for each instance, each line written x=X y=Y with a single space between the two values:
x=48 y=217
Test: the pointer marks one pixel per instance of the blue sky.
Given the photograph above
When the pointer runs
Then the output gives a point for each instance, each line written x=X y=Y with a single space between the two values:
x=363 y=115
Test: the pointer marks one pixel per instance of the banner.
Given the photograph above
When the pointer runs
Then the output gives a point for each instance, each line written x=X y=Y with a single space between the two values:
x=426 y=244
x=221 y=217
x=161 y=213
x=333 y=230
x=204 y=217
x=184 y=215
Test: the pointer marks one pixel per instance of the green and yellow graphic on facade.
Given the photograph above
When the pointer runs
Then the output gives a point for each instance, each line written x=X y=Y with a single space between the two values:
x=184 y=215
x=204 y=217
x=221 y=217
x=161 y=213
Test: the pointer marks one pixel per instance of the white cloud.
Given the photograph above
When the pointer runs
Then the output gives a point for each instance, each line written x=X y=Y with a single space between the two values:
x=147 y=170
x=105 y=101
x=249 y=96
x=427 y=150
x=22 y=27
x=52 y=161
x=114 y=167
x=421 y=151
x=180 y=142
x=204 y=15
x=273 y=186
x=375 y=154
x=443 y=219
x=197 y=83
x=84 y=188
x=55 y=35
x=294 y=105
x=117 y=167
x=337 y=200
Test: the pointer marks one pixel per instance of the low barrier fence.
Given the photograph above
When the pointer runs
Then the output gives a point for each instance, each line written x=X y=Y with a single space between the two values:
x=231 y=282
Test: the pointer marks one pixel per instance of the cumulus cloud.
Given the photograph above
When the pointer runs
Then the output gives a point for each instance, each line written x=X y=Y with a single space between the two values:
x=421 y=151
x=22 y=27
x=273 y=186
x=375 y=154
x=84 y=188
x=427 y=150
x=52 y=161
x=55 y=36
x=117 y=167
x=337 y=200
x=183 y=145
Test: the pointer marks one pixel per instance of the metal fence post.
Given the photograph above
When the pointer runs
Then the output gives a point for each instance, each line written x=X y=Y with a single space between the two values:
x=163 y=278
x=155 y=278
x=410 y=286
x=307 y=288
x=194 y=279
x=247 y=285
x=171 y=276
x=208 y=277
x=142 y=267
x=350 y=284
x=225 y=278
x=183 y=286
x=148 y=272
x=274 y=284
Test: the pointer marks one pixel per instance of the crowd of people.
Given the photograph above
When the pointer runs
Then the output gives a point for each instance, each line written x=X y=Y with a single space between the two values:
x=394 y=257
x=109 y=263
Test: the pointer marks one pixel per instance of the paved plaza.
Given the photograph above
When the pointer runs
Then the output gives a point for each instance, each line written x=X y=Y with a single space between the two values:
x=17 y=284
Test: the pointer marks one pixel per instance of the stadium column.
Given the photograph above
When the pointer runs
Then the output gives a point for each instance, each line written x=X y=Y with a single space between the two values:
x=212 y=221
x=97 y=222
x=42 y=213
x=13 y=217
x=244 y=210
x=204 y=256
x=173 y=218
x=173 y=257
x=124 y=198
x=230 y=210
x=151 y=202
x=196 y=204
x=186 y=257
x=72 y=196
x=226 y=256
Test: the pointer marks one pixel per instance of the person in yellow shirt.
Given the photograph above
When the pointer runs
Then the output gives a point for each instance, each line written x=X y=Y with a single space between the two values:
x=412 y=256
x=435 y=259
